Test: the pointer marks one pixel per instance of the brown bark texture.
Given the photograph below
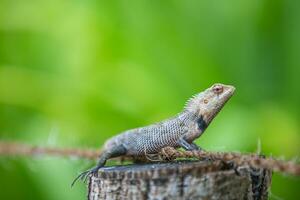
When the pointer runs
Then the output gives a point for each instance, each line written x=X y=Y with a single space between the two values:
x=207 y=180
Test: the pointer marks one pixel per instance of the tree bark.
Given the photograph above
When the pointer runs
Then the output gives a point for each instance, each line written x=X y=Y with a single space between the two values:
x=180 y=180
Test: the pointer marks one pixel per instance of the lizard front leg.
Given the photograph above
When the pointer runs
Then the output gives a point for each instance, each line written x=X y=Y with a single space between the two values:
x=186 y=145
x=114 y=152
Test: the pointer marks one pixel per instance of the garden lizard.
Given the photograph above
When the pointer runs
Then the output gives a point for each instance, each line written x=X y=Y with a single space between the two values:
x=178 y=131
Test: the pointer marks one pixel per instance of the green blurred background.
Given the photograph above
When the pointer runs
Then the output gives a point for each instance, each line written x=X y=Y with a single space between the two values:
x=74 y=73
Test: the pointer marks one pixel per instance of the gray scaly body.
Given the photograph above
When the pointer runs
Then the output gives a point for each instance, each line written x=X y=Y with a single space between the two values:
x=179 y=131
x=151 y=139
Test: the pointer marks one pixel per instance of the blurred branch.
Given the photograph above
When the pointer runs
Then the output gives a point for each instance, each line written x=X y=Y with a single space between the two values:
x=167 y=153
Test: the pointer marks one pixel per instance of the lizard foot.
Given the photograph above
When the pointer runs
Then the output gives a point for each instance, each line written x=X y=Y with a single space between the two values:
x=84 y=175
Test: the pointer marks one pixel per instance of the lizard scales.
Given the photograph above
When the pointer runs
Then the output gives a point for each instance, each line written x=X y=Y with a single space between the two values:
x=151 y=139
x=179 y=131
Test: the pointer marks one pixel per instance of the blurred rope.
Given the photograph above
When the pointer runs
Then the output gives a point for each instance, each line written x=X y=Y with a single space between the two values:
x=19 y=149
x=167 y=153
x=252 y=160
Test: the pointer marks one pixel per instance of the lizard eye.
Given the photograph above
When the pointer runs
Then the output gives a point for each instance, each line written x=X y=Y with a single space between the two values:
x=218 y=89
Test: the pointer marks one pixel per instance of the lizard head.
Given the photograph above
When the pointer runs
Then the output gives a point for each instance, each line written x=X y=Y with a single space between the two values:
x=208 y=103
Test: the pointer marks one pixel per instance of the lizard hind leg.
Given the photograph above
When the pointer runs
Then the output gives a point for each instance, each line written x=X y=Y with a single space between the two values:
x=114 y=152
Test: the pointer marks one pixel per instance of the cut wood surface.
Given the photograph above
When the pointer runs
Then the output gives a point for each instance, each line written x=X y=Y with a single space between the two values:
x=180 y=180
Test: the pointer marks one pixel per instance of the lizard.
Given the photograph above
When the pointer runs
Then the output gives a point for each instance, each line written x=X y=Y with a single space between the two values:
x=178 y=131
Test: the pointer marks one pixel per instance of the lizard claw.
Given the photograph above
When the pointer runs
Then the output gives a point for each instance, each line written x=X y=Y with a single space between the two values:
x=84 y=175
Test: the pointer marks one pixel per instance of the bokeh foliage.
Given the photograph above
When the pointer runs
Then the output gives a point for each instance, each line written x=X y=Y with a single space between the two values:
x=74 y=73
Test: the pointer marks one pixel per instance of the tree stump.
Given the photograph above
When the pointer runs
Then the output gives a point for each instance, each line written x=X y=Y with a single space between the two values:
x=180 y=180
